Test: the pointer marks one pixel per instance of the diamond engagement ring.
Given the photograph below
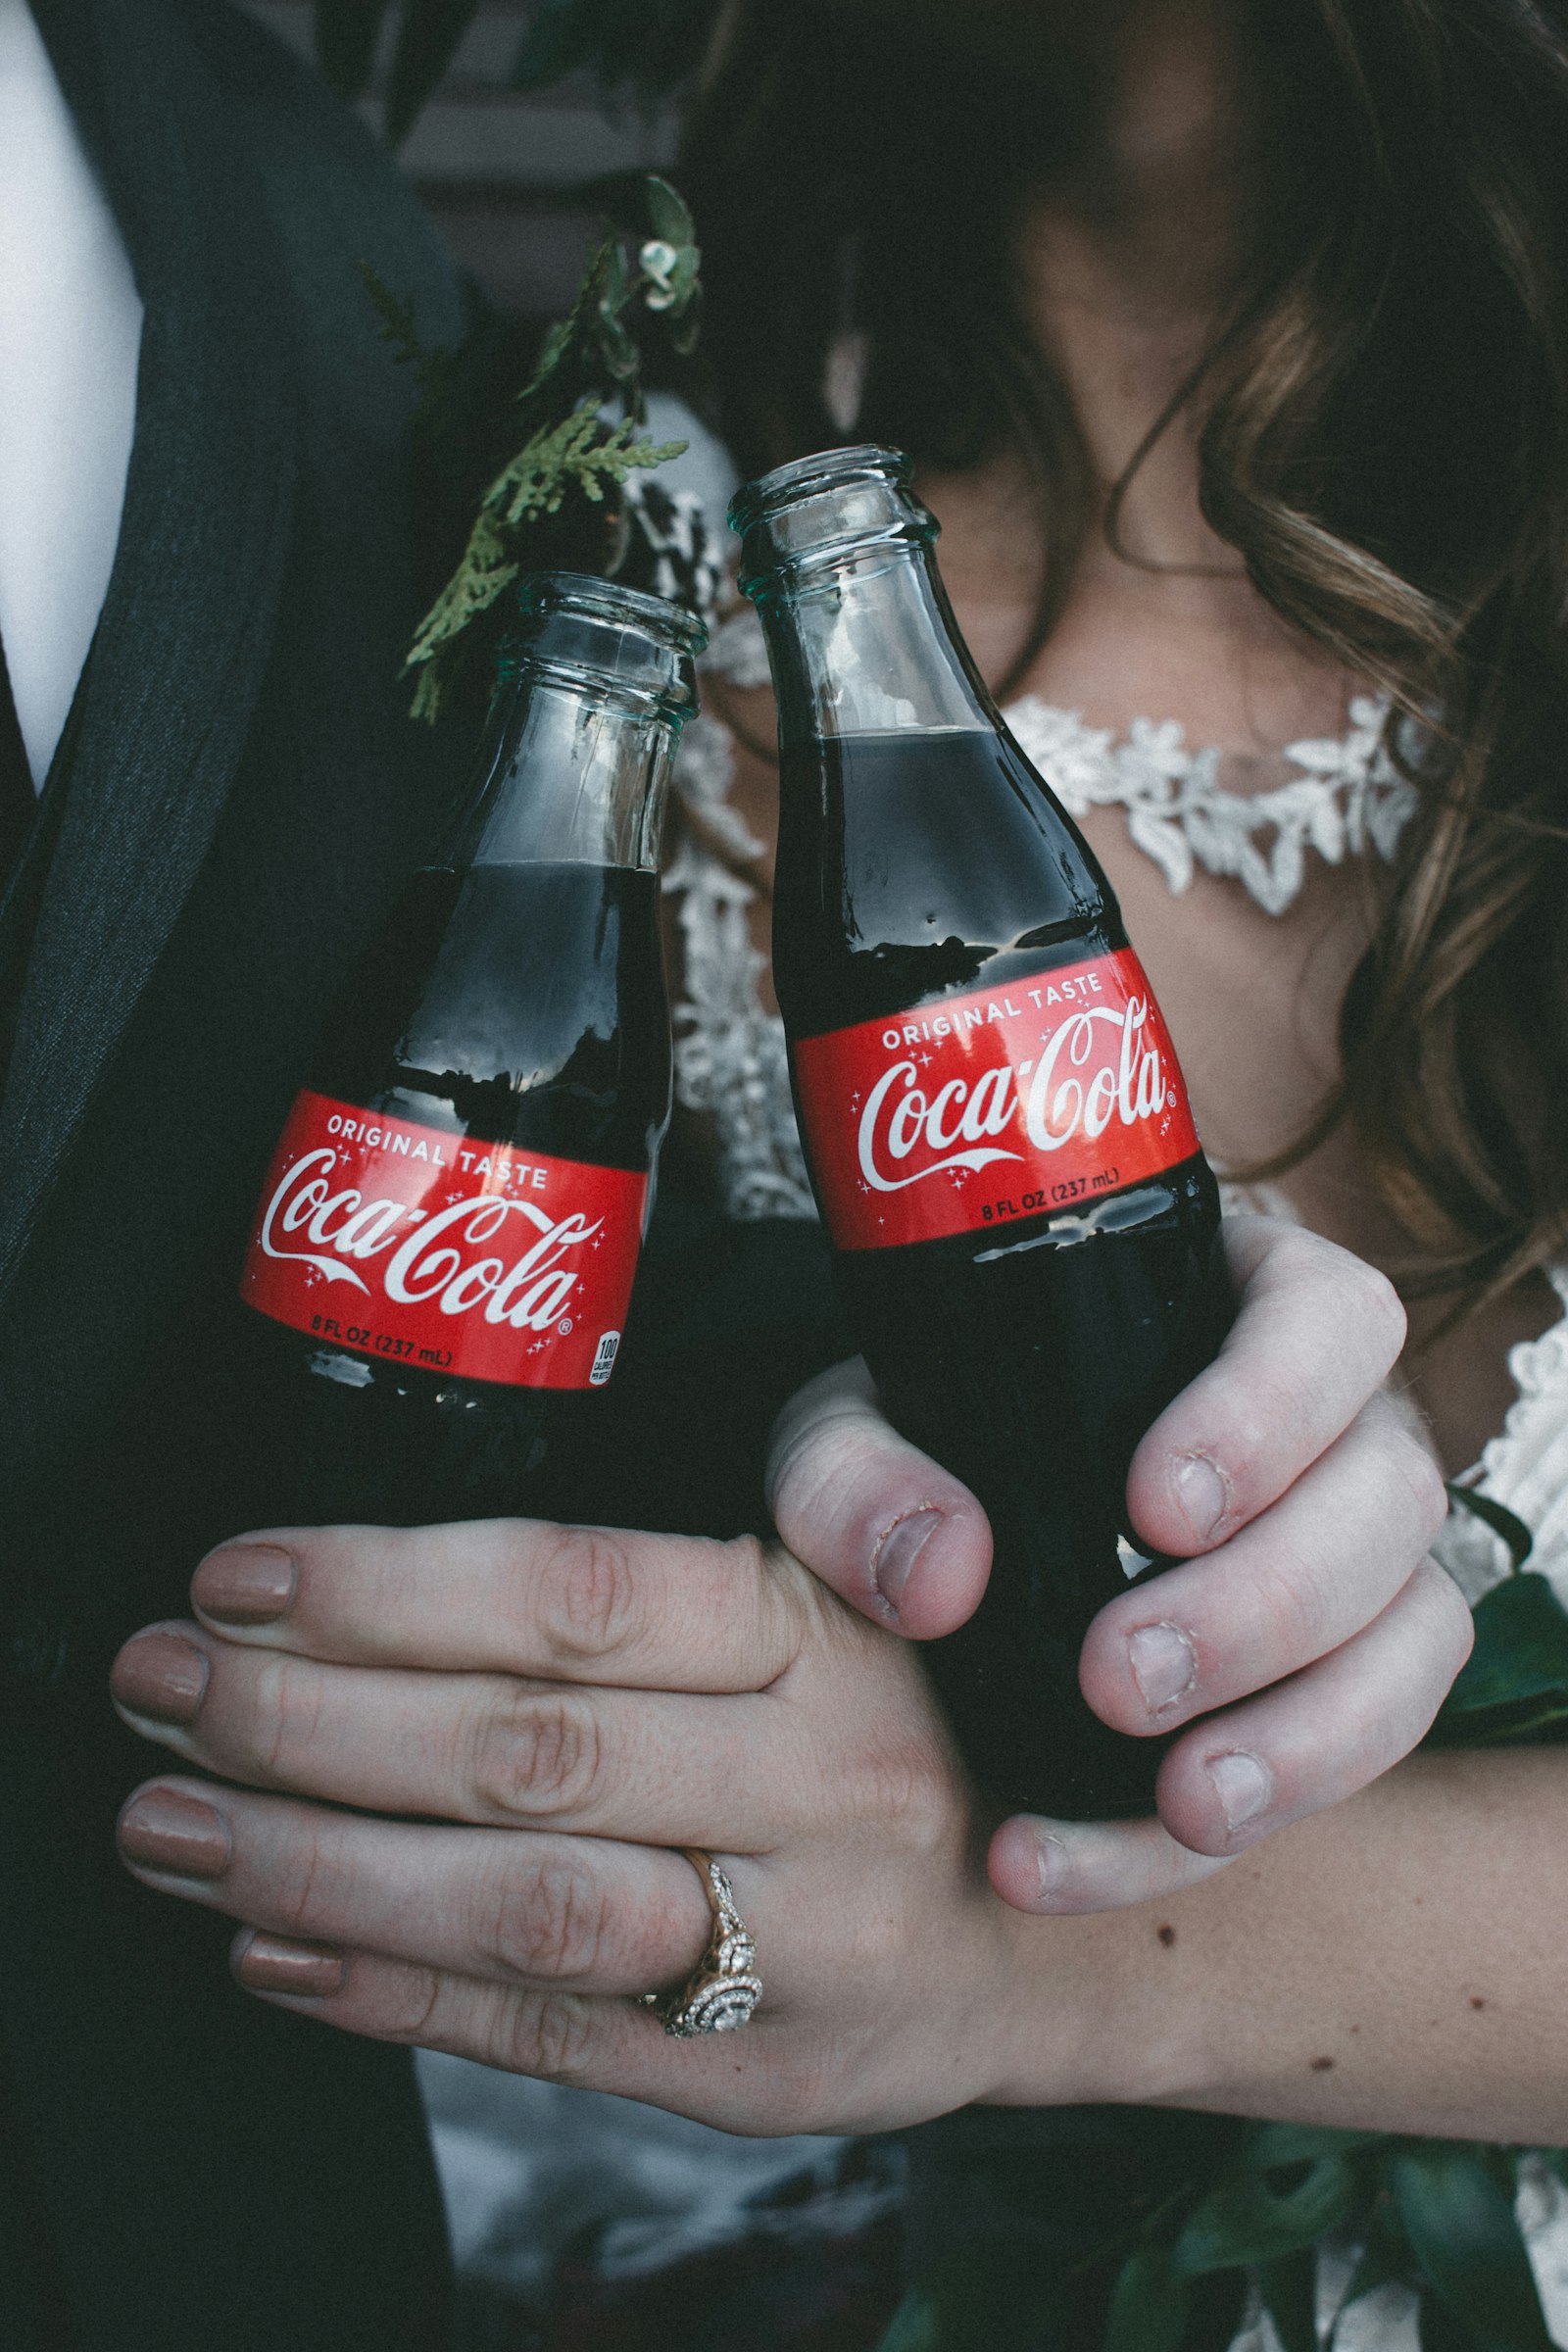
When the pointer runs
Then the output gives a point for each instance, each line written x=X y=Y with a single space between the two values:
x=724 y=1988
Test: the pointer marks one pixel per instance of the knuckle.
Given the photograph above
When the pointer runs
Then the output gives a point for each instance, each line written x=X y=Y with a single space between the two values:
x=1291 y=1598
x=902 y=1779
x=793 y=1478
x=1376 y=1306
x=1451 y=1612
x=1364 y=1300
x=409 y=2005
x=305 y=1889
x=538 y=1755
x=817 y=1485
x=285 y=1717
x=1420 y=1478
x=587 y=1593
x=1300 y=1253
x=1275 y=1414
x=786 y=1595
x=548 y=1918
x=549 y=2037
x=816 y=1432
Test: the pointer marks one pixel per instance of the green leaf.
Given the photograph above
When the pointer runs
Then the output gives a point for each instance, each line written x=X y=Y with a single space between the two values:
x=1289 y=2289
x=686 y=326
x=1149 y=2304
x=1441 y=2329
x=1386 y=2258
x=427 y=42
x=991 y=2297
x=1501 y=1521
x=580 y=453
x=1272 y=2146
x=1458 y=2216
x=669 y=216
x=1247 y=2218
x=1514 y=1684
x=914 y=2326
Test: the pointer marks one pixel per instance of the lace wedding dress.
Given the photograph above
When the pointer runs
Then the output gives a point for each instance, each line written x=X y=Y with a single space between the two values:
x=526 y=2165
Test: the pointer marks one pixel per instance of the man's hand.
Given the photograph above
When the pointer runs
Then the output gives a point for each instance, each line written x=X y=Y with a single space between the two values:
x=561 y=1704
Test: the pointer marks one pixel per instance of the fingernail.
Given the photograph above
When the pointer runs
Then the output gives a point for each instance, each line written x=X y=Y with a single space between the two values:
x=166 y=1830
x=269 y=1964
x=898 y=1551
x=244 y=1584
x=1051 y=1860
x=161 y=1676
x=1164 y=1664
x=1243 y=1787
x=1203 y=1493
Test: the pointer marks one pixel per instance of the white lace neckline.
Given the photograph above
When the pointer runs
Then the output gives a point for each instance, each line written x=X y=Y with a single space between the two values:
x=1344 y=796
x=1347 y=796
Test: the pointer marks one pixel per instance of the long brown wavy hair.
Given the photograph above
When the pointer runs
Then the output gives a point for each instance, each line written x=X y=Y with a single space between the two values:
x=1383 y=440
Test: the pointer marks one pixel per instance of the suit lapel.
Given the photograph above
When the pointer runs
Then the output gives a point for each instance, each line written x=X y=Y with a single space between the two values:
x=189 y=619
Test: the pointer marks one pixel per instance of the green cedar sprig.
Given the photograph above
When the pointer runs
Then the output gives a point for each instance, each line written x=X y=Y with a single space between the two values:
x=572 y=456
x=578 y=454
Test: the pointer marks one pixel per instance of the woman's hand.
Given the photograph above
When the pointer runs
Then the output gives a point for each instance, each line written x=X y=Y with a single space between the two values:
x=577 y=1699
x=1309 y=1615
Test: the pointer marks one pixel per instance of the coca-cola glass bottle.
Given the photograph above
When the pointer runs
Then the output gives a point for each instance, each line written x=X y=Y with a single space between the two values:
x=445 y=1239
x=1024 y=1227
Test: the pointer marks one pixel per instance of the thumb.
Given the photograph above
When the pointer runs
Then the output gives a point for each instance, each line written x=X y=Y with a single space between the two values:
x=895 y=1536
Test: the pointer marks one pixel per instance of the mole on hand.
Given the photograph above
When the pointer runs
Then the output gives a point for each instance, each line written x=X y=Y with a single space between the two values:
x=1167 y=1936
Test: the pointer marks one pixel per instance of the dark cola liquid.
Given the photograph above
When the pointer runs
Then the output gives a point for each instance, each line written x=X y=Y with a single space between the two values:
x=515 y=1004
x=1028 y=1359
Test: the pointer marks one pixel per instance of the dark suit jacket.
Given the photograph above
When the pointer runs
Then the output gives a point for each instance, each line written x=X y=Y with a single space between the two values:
x=238 y=799
x=237 y=802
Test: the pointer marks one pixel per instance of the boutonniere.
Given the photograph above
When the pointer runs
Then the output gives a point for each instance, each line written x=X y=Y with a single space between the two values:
x=574 y=493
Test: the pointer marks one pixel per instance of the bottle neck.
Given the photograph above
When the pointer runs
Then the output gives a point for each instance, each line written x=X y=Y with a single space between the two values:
x=865 y=644
x=572 y=774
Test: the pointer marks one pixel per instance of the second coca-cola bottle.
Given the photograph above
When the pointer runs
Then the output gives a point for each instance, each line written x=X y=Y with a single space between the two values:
x=1024 y=1227
x=443 y=1251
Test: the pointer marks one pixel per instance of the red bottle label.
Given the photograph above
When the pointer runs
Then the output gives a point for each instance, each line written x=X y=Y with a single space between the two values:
x=1008 y=1102
x=423 y=1248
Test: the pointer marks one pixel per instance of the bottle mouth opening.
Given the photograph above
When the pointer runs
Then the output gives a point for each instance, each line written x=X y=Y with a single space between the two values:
x=542 y=592
x=621 y=638
x=819 y=510
x=825 y=469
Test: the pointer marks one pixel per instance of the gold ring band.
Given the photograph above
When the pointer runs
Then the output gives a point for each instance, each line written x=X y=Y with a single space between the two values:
x=724 y=1988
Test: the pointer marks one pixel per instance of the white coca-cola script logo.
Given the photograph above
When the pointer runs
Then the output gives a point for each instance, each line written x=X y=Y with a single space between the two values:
x=1096 y=1066
x=429 y=1266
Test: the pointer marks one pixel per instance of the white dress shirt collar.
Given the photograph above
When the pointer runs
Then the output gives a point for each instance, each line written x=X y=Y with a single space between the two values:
x=70 y=336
